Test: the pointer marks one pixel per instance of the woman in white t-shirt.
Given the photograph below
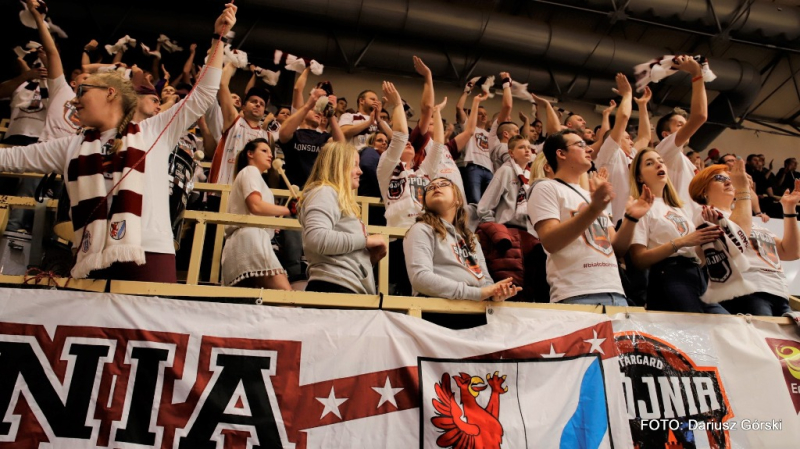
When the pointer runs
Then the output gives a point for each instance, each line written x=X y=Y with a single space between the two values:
x=248 y=259
x=665 y=241
x=764 y=252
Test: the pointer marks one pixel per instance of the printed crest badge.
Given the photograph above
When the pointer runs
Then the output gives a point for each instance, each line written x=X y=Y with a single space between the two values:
x=662 y=384
x=717 y=265
x=71 y=115
x=679 y=221
x=596 y=235
x=482 y=140
x=788 y=352
x=118 y=230
x=497 y=404
x=464 y=257
x=396 y=188
x=417 y=185
x=764 y=245
x=87 y=241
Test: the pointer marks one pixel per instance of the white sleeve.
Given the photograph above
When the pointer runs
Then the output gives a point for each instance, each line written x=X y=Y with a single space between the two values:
x=544 y=204
x=681 y=169
x=430 y=165
x=191 y=108
x=214 y=120
x=493 y=140
x=251 y=181
x=389 y=160
x=42 y=157
x=641 y=232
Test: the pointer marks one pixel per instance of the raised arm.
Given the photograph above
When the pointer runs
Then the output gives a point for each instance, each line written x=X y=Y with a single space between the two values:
x=789 y=244
x=508 y=100
x=299 y=87
x=699 y=113
x=251 y=83
x=624 y=109
x=742 y=214
x=525 y=128
x=85 y=58
x=426 y=105
x=229 y=112
x=644 y=135
x=295 y=120
x=336 y=131
x=472 y=123
x=605 y=125
x=438 y=126
x=54 y=66
x=461 y=115
x=186 y=74
x=550 y=120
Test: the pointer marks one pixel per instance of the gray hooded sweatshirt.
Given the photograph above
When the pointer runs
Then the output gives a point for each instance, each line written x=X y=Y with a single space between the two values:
x=335 y=244
x=444 y=268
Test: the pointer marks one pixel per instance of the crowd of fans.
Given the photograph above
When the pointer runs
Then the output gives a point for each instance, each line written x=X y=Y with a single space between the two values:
x=543 y=208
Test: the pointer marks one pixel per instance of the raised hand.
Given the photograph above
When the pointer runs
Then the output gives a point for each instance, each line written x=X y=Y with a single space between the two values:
x=524 y=118
x=391 y=94
x=316 y=94
x=226 y=20
x=790 y=200
x=441 y=105
x=91 y=46
x=639 y=207
x=166 y=74
x=611 y=106
x=483 y=96
x=602 y=192
x=421 y=68
x=739 y=177
x=193 y=48
x=688 y=64
x=645 y=98
x=623 y=85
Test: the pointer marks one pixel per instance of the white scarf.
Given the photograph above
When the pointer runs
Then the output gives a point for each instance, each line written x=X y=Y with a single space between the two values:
x=725 y=263
x=112 y=234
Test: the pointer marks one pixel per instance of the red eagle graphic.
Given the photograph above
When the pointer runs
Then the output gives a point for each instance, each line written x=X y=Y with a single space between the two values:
x=482 y=428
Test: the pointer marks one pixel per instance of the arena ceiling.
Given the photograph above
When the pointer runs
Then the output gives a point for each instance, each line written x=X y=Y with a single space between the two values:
x=356 y=35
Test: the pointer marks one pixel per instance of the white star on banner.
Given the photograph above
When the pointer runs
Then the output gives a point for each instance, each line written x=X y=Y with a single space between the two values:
x=331 y=404
x=595 y=342
x=553 y=354
x=387 y=393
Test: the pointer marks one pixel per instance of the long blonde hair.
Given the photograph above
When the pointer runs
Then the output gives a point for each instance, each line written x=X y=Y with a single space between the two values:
x=537 y=168
x=431 y=219
x=128 y=96
x=670 y=195
x=332 y=168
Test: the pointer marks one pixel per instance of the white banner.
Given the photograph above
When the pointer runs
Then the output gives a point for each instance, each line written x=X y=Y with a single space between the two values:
x=81 y=370
x=693 y=381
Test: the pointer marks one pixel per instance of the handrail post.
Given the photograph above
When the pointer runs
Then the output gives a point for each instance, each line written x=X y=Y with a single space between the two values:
x=383 y=269
x=193 y=276
x=216 y=259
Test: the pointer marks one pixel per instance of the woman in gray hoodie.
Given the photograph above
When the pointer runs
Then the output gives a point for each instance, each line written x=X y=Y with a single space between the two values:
x=443 y=257
x=335 y=241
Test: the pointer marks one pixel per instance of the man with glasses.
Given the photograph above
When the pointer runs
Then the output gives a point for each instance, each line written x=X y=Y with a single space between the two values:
x=576 y=233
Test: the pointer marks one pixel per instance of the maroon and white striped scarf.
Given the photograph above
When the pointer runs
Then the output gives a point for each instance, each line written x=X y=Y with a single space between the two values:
x=107 y=234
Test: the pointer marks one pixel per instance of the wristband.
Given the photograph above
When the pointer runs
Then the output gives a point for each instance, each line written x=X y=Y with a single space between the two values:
x=789 y=215
x=743 y=198
x=506 y=83
x=222 y=39
x=629 y=217
x=697 y=78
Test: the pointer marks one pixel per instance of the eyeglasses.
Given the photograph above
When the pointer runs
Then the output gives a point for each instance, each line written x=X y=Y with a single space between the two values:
x=437 y=185
x=579 y=144
x=83 y=87
x=721 y=178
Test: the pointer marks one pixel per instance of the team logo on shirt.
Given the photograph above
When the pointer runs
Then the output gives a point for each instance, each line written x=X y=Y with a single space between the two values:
x=596 y=235
x=764 y=245
x=418 y=185
x=396 y=188
x=482 y=141
x=464 y=257
x=679 y=221
x=71 y=115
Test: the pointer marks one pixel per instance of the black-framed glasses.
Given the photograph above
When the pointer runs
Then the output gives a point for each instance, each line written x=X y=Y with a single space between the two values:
x=580 y=144
x=721 y=178
x=437 y=185
x=83 y=87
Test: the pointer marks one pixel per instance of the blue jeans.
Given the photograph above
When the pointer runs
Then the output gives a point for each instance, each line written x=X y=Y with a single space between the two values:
x=604 y=299
x=676 y=285
x=759 y=304
x=476 y=181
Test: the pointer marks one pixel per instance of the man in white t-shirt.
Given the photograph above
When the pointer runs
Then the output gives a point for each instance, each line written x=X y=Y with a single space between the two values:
x=359 y=125
x=576 y=233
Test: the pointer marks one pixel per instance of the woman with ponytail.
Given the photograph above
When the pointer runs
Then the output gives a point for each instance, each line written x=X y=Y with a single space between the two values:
x=248 y=259
x=116 y=172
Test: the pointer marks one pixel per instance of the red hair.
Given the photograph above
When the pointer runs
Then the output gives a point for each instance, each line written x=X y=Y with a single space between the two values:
x=701 y=181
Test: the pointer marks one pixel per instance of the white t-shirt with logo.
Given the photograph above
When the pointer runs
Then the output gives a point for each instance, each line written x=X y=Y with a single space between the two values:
x=766 y=272
x=62 y=120
x=477 y=150
x=28 y=118
x=618 y=165
x=232 y=142
x=359 y=141
x=661 y=224
x=586 y=265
